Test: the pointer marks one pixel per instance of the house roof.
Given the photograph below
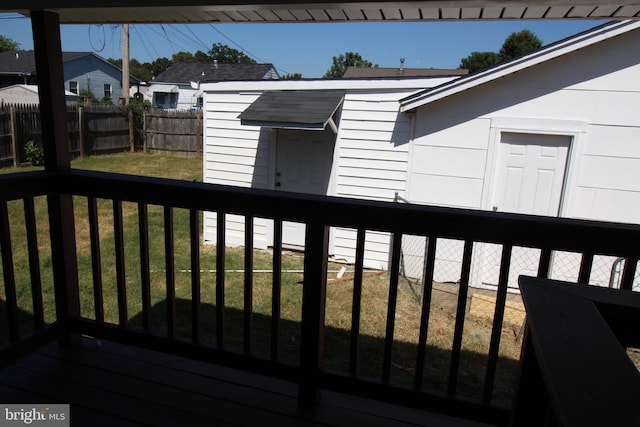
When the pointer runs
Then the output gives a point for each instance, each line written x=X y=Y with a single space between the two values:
x=193 y=11
x=185 y=72
x=31 y=88
x=23 y=62
x=293 y=109
x=396 y=72
x=554 y=50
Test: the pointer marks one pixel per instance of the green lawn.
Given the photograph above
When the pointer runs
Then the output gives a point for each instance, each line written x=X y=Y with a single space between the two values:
x=339 y=294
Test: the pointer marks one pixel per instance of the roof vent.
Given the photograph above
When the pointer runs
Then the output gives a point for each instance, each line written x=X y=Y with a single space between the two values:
x=17 y=55
x=401 y=65
x=215 y=64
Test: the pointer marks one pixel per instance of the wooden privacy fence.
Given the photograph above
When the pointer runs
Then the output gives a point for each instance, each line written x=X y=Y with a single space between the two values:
x=92 y=129
x=173 y=132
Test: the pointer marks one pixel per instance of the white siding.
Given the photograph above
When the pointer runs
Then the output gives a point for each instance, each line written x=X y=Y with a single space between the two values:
x=234 y=155
x=372 y=160
x=453 y=152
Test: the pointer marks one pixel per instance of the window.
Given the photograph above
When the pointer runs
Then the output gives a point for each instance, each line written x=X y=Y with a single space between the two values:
x=168 y=100
x=107 y=90
x=73 y=87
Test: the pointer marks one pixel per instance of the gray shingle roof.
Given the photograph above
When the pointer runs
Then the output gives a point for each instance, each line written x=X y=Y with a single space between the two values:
x=309 y=109
x=377 y=72
x=24 y=61
x=185 y=72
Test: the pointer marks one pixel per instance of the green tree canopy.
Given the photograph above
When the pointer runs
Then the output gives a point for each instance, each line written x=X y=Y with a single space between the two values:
x=341 y=62
x=517 y=44
x=294 y=76
x=477 y=61
x=229 y=55
x=7 y=44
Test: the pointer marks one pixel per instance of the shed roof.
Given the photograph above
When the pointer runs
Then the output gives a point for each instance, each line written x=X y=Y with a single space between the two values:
x=396 y=72
x=546 y=53
x=185 y=72
x=294 y=109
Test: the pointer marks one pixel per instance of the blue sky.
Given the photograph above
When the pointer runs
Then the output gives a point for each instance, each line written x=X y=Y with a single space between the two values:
x=304 y=48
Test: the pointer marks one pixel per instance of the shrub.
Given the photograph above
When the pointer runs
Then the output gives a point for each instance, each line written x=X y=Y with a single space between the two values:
x=34 y=153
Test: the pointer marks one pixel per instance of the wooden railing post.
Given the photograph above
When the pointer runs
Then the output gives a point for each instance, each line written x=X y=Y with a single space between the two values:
x=55 y=137
x=313 y=311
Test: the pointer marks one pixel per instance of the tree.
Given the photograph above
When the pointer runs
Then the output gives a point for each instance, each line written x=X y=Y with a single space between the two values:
x=294 y=76
x=7 y=44
x=518 y=44
x=479 y=61
x=341 y=62
x=229 y=55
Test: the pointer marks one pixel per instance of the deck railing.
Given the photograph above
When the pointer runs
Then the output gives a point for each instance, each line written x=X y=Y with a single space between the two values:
x=99 y=197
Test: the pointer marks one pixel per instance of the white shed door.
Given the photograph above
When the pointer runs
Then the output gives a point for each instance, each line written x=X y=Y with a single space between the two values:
x=529 y=179
x=530 y=173
x=303 y=165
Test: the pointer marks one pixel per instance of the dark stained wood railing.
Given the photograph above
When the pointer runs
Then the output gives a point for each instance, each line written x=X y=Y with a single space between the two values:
x=574 y=369
x=319 y=213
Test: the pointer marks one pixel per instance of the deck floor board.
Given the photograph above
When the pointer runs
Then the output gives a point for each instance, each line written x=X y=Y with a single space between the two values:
x=114 y=384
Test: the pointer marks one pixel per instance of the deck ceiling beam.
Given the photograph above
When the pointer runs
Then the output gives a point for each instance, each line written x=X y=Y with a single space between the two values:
x=197 y=11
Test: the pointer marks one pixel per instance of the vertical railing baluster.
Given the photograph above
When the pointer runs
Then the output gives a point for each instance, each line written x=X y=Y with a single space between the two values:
x=498 y=316
x=34 y=262
x=248 y=285
x=145 y=278
x=629 y=273
x=461 y=310
x=585 y=268
x=8 y=274
x=170 y=274
x=394 y=273
x=277 y=287
x=426 y=310
x=357 y=302
x=121 y=277
x=194 y=237
x=96 y=259
x=220 y=276
x=314 y=290
x=544 y=266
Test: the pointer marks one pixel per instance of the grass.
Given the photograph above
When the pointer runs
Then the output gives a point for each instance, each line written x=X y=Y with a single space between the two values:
x=476 y=337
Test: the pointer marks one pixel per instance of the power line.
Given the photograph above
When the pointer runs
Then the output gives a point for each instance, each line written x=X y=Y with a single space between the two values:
x=243 y=49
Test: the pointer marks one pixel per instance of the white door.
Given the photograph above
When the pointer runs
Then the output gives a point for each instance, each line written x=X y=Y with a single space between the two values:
x=529 y=179
x=303 y=165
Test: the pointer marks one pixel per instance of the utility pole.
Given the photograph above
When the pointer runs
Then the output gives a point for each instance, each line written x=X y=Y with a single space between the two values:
x=125 y=64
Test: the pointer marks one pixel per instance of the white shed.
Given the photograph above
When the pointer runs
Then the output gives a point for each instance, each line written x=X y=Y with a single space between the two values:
x=343 y=138
x=556 y=132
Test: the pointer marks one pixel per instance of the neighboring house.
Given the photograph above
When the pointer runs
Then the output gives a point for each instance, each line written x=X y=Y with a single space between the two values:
x=28 y=94
x=178 y=87
x=400 y=72
x=555 y=132
x=83 y=71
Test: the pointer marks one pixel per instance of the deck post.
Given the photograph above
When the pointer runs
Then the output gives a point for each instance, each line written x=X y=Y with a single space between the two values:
x=313 y=311
x=55 y=137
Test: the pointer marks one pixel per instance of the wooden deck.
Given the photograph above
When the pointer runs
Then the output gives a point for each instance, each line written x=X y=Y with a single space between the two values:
x=110 y=384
